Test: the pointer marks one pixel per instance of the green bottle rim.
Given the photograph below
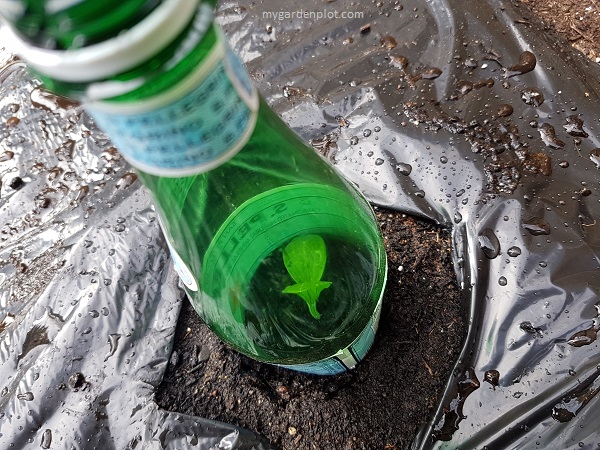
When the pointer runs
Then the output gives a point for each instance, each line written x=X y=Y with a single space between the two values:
x=117 y=54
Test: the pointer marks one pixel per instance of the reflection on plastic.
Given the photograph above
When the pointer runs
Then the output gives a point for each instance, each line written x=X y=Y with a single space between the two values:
x=491 y=140
x=444 y=429
x=570 y=406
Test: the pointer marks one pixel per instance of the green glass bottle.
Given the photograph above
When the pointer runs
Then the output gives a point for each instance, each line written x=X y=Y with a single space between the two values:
x=280 y=255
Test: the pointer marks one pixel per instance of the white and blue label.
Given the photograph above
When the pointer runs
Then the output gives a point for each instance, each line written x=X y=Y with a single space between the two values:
x=194 y=127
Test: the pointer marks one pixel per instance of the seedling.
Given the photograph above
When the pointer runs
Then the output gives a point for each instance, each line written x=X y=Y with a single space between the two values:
x=305 y=258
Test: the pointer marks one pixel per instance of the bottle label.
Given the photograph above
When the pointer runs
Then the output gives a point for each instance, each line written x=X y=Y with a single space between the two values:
x=195 y=126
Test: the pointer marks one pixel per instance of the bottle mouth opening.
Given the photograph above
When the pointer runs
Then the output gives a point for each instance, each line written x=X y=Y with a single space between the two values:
x=116 y=55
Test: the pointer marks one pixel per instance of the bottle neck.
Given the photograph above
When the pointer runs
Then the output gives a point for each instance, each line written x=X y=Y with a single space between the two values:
x=128 y=48
x=70 y=24
x=168 y=91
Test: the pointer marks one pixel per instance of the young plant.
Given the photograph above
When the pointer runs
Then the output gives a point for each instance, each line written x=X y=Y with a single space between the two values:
x=305 y=258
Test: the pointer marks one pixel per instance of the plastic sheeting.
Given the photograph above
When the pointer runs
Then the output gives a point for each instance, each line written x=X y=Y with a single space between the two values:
x=89 y=300
x=459 y=111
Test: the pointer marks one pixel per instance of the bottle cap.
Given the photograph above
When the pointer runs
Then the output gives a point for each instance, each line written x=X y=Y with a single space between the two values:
x=118 y=54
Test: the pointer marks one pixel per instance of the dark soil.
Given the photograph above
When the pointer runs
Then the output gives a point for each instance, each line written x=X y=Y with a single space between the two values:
x=577 y=21
x=389 y=396
x=380 y=404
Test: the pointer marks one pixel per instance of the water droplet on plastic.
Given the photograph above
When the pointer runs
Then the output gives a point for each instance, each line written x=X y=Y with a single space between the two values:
x=342 y=122
x=46 y=439
x=430 y=73
x=584 y=337
x=42 y=202
x=543 y=264
x=502 y=281
x=443 y=159
x=87 y=243
x=113 y=342
x=367 y=133
x=379 y=161
x=528 y=327
x=104 y=311
x=401 y=62
x=65 y=151
x=107 y=282
x=492 y=377
x=388 y=42
x=595 y=157
x=93 y=313
x=77 y=380
x=120 y=227
x=126 y=180
x=533 y=97
x=41 y=98
x=537 y=226
x=564 y=164
x=548 y=135
x=16 y=183
x=488 y=241
x=420 y=194
x=12 y=122
x=574 y=126
x=504 y=110
x=27 y=396
x=527 y=62
x=404 y=169
x=458 y=217
x=6 y=156
x=353 y=140
x=377 y=129
x=513 y=251
x=4 y=391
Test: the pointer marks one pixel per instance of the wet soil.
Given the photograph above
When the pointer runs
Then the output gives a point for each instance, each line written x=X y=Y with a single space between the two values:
x=381 y=404
x=389 y=396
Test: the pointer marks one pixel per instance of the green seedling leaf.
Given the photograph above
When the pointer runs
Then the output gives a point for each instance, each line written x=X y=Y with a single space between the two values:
x=305 y=258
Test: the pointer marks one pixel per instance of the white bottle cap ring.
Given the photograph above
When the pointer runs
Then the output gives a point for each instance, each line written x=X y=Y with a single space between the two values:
x=118 y=54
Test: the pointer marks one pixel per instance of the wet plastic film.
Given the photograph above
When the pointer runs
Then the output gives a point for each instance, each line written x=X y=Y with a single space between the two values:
x=459 y=111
